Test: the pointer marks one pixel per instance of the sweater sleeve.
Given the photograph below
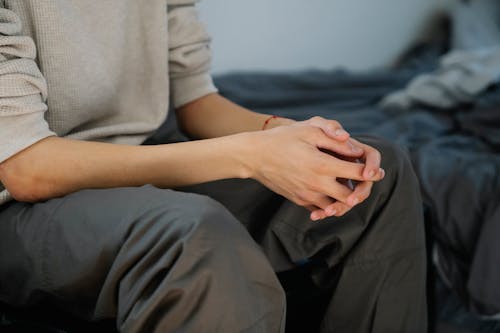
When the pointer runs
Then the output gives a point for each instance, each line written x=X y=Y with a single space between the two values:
x=189 y=54
x=23 y=90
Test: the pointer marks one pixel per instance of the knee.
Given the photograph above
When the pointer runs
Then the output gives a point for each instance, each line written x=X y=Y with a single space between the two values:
x=202 y=218
x=196 y=246
x=394 y=157
x=395 y=161
x=187 y=228
x=397 y=197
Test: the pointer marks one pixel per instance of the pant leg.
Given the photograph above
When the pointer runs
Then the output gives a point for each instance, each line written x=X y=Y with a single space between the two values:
x=373 y=257
x=384 y=267
x=157 y=260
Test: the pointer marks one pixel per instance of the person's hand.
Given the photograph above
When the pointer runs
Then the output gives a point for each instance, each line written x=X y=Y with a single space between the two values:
x=334 y=130
x=371 y=159
x=288 y=160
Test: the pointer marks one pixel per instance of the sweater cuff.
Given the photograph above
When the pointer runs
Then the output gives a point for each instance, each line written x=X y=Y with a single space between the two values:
x=189 y=88
x=20 y=132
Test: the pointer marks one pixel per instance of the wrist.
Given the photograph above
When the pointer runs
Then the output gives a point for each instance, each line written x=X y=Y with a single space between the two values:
x=276 y=121
x=246 y=153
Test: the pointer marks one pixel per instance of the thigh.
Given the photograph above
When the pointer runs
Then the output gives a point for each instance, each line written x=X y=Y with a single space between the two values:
x=145 y=256
x=64 y=248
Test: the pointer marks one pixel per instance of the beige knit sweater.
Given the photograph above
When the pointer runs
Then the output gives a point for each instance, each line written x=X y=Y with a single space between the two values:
x=100 y=70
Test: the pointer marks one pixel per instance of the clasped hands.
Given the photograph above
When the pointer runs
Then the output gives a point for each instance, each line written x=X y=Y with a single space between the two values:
x=304 y=161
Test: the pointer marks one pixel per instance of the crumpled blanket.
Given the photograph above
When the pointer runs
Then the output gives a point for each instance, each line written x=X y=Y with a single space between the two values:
x=460 y=78
x=471 y=67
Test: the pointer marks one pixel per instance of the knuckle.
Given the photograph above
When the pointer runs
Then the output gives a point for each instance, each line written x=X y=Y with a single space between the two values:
x=317 y=135
x=335 y=124
x=313 y=132
x=374 y=152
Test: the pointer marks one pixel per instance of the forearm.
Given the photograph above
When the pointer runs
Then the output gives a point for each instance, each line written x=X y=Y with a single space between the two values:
x=214 y=116
x=55 y=166
x=289 y=160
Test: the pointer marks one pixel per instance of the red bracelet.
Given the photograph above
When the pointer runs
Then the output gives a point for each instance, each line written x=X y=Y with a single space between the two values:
x=268 y=120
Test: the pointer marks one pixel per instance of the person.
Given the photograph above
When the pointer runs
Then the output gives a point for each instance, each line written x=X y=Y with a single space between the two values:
x=187 y=236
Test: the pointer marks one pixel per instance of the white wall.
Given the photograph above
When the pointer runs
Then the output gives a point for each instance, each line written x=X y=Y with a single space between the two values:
x=298 y=34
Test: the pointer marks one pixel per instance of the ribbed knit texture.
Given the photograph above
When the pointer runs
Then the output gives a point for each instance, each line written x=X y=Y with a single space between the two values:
x=100 y=70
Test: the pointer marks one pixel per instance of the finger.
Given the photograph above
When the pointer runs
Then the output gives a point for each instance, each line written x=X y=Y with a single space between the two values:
x=332 y=128
x=316 y=213
x=337 y=209
x=316 y=200
x=355 y=146
x=322 y=201
x=336 y=168
x=337 y=148
x=372 y=161
x=360 y=194
x=333 y=190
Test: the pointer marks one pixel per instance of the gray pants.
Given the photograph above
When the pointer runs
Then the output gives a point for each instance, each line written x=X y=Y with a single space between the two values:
x=173 y=261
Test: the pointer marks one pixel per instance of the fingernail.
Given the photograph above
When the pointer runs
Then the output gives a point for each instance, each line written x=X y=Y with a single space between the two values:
x=371 y=174
x=314 y=217
x=382 y=173
x=340 y=132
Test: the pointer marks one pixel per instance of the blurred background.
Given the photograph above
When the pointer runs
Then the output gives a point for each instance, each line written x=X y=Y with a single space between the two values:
x=296 y=34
